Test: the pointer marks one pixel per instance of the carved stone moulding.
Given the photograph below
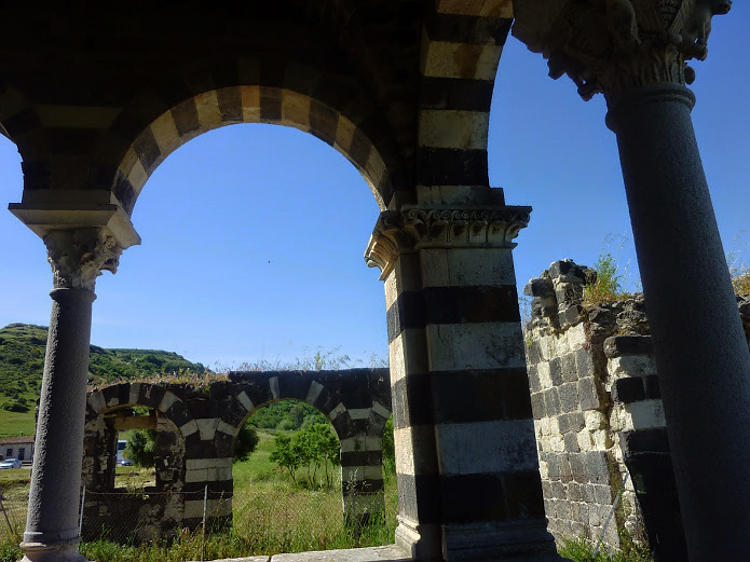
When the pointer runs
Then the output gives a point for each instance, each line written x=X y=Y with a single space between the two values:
x=611 y=46
x=78 y=256
x=82 y=241
x=416 y=228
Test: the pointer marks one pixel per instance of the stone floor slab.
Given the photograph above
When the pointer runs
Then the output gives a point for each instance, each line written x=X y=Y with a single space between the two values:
x=372 y=554
x=264 y=558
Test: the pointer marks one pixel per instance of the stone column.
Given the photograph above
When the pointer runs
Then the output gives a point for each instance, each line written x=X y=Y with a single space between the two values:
x=77 y=257
x=466 y=462
x=634 y=52
x=418 y=530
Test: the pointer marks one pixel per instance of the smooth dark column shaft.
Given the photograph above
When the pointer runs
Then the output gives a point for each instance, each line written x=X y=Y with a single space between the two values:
x=52 y=519
x=701 y=352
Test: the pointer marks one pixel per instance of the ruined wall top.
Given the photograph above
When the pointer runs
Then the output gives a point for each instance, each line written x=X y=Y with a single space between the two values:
x=557 y=303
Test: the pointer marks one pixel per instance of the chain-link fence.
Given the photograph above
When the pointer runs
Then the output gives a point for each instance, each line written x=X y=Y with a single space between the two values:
x=13 y=514
x=264 y=515
x=136 y=516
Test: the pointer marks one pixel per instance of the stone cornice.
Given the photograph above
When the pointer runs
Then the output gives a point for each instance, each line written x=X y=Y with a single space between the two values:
x=416 y=228
x=612 y=46
x=78 y=256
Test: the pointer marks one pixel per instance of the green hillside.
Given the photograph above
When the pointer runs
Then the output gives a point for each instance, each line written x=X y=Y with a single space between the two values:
x=22 y=360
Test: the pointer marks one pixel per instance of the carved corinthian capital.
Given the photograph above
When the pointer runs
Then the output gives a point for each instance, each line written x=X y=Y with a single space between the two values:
x=415 y=228
x=611 y=46
x=78 y=256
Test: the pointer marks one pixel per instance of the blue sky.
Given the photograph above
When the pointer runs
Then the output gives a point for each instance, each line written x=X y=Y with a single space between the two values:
x=253 y=235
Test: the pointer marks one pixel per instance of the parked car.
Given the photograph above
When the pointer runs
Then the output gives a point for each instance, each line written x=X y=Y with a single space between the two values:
x=126 y=462
x=10 y=463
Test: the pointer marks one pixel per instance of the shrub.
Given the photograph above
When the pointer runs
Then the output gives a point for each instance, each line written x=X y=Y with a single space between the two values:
x=245 y=443
x=606 y=287
x=18 y=405
x=140 y=448
x=741 y=281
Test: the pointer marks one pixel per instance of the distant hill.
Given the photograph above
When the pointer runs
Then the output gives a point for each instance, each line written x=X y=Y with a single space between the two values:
x=22 y=349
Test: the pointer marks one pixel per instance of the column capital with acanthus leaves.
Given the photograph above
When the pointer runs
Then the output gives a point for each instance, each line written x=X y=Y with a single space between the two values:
x=612 y=46
x=78 y=256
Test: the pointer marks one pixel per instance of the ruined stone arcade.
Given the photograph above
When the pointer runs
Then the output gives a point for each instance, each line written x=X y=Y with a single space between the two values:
x=96 y=97
x=194 y=444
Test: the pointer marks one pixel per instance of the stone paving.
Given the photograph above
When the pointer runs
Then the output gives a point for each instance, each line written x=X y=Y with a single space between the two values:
x=373 y=554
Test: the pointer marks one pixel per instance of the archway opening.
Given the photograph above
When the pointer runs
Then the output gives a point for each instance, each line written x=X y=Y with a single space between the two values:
x=270 y=284
x=288 y=491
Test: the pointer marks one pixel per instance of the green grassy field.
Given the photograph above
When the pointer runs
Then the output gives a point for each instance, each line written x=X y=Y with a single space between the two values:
x=15 y=424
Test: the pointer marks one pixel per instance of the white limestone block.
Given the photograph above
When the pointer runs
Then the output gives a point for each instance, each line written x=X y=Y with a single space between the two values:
x=576 y=336
x=485 y=447
x=631 y=366
x=545 y=380
x=466 y=267
x=584 y=440
x=313 y=392
x=647 y=414
x=488 y=345
x=207 y=428
x=167 y=401
x=594 y=420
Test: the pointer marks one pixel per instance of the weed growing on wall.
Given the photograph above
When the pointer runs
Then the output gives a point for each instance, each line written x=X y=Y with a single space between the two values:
x=581 y=550
x=607 y=286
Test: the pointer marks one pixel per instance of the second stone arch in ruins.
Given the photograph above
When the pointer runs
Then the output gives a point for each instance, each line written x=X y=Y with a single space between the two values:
x=194 y=444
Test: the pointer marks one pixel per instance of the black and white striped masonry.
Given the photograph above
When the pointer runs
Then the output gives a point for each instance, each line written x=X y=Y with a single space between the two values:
x=466 y=454
x=195 y=434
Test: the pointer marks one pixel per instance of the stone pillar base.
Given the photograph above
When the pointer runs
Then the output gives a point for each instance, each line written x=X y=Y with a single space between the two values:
x=487 y=541
x=64 y=551
x=421 y=542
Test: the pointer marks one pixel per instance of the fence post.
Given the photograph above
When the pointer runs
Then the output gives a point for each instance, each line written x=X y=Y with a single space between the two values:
x=205 y=502
x=2 y=508
x=83 y=503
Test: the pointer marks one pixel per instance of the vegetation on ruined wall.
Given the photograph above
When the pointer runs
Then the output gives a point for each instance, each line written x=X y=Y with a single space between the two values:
x=607 y=287
x=741 y=280
x=319 y=360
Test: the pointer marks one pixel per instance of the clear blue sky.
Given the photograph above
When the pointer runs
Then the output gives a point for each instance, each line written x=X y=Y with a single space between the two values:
x=263 y=258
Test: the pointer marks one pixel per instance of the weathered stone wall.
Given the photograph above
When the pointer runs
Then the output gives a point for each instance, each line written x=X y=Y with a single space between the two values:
x=194 y=445
x=598 y=415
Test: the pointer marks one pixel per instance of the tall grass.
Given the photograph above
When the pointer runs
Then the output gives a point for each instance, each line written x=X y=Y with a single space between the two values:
x=271 y=515
x=581 y=550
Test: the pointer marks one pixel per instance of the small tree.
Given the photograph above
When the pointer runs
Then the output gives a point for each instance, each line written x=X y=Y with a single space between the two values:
x=310 y=447
x=286 y=455
x=245 y=443
x=320 y=446
x=140 y=448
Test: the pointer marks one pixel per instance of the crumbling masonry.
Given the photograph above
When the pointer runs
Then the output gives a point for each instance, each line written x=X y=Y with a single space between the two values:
x=598 y=415
x=96 y=96
x=194 y=445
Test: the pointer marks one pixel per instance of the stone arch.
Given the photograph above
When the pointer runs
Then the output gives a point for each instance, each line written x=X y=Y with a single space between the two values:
x=171 y=416
x=173 y=423
x=359 y=429
x=126 y=162
x=153 y=396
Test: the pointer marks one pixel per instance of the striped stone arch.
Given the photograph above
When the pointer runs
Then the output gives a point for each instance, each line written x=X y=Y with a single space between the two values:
x=16 y=113
x=246 y=104
x=157 y=514
x=359 y=429
x=461 y=46
x=152 y=396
